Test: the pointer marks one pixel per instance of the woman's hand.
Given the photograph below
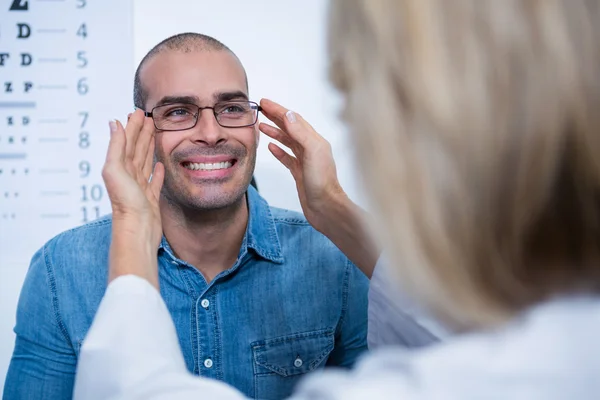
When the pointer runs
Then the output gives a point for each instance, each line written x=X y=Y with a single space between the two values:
x=312 y=164
x=136 y=228
x=325 y=204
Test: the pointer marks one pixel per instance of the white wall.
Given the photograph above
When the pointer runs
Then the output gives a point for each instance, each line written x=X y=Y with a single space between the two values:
x=282 y=46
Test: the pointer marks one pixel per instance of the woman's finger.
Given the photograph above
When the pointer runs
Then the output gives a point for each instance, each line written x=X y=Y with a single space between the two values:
x=289 y=122
x=116 y=145
x=278 y=134
x=290 y=162
x=127 y=160
x=274 y=112
x=158 y=177
x=148 y=163
x=132 y=132
x=113 y=168
x=141 y=149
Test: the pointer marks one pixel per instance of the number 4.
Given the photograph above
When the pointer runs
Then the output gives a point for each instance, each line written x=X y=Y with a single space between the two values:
x=82 y=31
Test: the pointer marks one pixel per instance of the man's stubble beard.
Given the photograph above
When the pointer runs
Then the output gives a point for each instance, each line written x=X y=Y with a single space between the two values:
x=177 y=194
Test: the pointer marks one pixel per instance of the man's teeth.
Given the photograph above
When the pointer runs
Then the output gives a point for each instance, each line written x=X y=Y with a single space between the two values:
x=208 y=166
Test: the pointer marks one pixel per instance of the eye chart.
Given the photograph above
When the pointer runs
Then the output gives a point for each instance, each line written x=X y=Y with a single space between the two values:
x=66 y=69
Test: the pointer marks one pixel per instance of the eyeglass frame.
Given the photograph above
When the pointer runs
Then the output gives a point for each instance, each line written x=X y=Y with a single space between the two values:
x=149 y=114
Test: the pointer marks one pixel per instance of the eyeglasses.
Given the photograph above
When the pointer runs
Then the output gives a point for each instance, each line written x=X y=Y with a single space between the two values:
x=182 y=116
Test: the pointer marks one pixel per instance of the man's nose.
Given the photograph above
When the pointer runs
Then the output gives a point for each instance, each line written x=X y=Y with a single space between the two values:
x=207 y=130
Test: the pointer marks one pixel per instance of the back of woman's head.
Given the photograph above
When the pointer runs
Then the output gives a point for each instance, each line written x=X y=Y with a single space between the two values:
x=477 y=124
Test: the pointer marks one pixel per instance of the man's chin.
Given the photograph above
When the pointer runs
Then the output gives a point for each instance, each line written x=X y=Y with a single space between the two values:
x=204 y=194
x=207 y=200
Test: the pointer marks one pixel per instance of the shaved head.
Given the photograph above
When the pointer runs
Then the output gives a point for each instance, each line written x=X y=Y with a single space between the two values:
x=184 y=43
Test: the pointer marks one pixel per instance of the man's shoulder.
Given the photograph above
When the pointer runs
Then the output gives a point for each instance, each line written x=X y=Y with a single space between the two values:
x=85 y=244
x=90 y=232
x=292 y=225
x=289 y=217
x=297 y=237
x=72 y=268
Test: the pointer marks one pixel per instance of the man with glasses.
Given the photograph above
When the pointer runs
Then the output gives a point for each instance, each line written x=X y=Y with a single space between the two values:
x=258 y=297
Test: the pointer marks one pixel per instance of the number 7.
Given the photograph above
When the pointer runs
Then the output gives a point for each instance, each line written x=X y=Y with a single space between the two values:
x=84 y=115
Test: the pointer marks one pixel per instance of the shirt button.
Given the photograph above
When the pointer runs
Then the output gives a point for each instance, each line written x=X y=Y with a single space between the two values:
x=205 y=303
x=298 y=362
x=174 y=262
x=208 y=363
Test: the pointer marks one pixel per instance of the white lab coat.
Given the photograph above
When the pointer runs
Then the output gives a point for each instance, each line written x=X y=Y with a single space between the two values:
x=132 y=352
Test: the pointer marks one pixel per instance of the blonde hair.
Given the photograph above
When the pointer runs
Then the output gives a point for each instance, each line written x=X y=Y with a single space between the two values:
x=477 y=125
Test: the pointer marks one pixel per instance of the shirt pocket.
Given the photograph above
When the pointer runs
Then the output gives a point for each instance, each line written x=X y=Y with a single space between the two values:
x=281 y=362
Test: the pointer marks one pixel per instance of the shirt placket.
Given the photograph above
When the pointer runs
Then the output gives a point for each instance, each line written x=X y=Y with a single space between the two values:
x=208 y=324
x=205 y=321
x=208 y=338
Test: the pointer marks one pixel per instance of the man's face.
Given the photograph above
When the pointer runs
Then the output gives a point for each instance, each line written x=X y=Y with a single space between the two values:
x=208 y=166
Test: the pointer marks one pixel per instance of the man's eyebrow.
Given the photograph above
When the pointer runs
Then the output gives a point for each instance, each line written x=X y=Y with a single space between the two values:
x=228 y=96
x=177 y=99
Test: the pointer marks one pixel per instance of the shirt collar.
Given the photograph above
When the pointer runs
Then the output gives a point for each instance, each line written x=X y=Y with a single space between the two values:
x=261 y=233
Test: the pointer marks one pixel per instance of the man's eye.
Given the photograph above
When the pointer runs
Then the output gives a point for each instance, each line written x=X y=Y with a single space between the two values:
x=179 y=112
x=233 y=108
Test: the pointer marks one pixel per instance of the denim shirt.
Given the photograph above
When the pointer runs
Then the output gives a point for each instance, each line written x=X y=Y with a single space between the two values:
x=292 y=303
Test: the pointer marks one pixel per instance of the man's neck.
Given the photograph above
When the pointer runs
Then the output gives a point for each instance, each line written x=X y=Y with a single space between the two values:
x=209 y=240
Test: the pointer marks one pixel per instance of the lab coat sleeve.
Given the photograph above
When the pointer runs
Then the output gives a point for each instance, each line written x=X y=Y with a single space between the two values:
x=132 y=351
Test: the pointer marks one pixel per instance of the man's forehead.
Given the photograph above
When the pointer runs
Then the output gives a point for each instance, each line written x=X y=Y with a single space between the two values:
x=203 y=74
x=217 y=97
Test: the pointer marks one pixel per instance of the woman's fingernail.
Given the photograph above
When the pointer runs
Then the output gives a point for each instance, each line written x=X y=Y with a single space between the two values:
x=291 y=116
x=113 y=126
